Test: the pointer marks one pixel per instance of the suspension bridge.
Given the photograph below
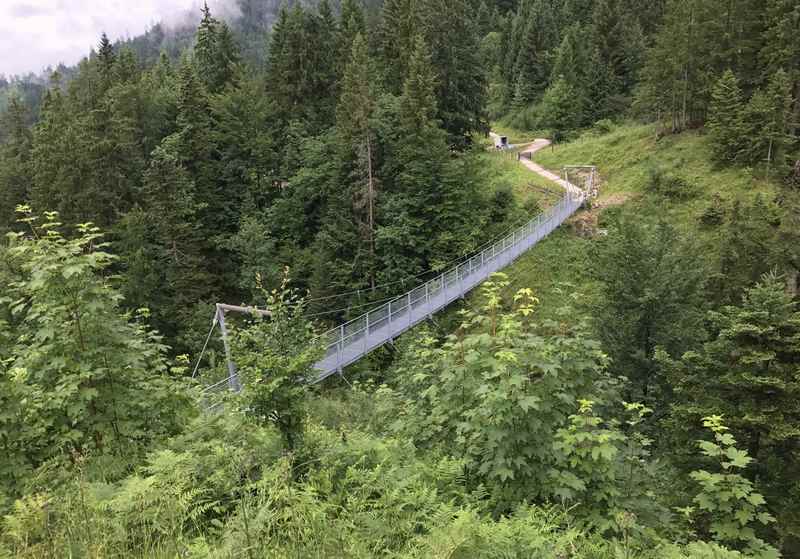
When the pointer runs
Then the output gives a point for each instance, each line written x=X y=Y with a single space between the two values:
x=354 y=339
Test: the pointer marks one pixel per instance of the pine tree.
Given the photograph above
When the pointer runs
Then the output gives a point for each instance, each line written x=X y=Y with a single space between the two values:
x=206 y=50
x=351 y=23
x=572 y=65
x=420 y=200
x=535 y=40
x=399 y=25
x=461 y=81
x=676 y=74
x=747 y=372
x=725 y=124
x=781 y=50
x=618 y=38
x=747 y=249
x=106 y=59
x=162 y=246
x=654 y=300
x=228 y=56
x=357 y=136
x=59 y=160
x=302 y=67
x=15 y=161
x=767 y=123
x=560 y=108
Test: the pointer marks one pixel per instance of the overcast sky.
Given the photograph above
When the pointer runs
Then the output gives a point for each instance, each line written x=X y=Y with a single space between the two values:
x=38 y=33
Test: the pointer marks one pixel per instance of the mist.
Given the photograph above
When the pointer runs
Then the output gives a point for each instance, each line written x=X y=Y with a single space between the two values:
x=36 y=34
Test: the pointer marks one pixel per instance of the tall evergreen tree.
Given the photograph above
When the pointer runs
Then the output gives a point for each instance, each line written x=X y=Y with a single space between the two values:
x=767 y=120
x=654 y=300
x=725 y=124
x=619 y=39
x=747 y=246
x=534 y=43
x=15 y=160
x=106 y=59
x=400 y=23
x=206 y=50
x=358 y=158
x=351 y=23
x=747 y=372
x=781 y=50
x=419 y=203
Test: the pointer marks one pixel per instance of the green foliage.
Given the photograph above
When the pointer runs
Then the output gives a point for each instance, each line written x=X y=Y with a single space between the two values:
x=497 y=392
x=651 y=284
x=15 y=163
x=747 y=373
x=589 y=453
x=725 y=124
x=669 y=185
x=347 y=159
x=275 y=359
x=78 y=377
x=747 y=248
x=728 y=498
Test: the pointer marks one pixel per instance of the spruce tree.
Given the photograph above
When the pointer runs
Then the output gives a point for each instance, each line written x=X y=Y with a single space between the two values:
x=536 y=39
x=654 y=300
x=747 y=372
x=357 y=139
x=106 y=58
x=15 y=161
x=677 y=71
x=781 y=49
x=461 y=81
x=351 y=23
x=618 y=38
x=767 y=124
x=420 y=201
x=228 y=57
x=725 y=120
x=206 y=50
x=399 y=25
x=747 y=249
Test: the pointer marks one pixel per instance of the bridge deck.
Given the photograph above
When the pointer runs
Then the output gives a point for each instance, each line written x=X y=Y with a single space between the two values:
x=351 y=341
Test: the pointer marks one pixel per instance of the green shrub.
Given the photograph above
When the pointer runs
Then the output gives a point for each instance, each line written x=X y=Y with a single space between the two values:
x=668 y=185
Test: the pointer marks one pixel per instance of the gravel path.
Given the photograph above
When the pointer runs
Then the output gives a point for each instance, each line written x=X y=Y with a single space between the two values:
x=539 y=170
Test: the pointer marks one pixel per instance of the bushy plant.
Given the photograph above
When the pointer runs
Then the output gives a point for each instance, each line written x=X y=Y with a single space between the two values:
x=78 y=376
x=275 y=357
x=496 y=392
x=730 y=507
x=669 y=185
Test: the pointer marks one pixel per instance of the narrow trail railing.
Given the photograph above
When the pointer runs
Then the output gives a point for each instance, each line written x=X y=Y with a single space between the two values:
x=354 y=339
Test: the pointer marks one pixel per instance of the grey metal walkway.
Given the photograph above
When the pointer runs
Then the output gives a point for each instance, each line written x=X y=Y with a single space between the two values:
x=353 y=340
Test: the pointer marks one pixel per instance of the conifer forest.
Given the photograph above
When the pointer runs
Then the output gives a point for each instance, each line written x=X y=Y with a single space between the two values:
x=628 y=388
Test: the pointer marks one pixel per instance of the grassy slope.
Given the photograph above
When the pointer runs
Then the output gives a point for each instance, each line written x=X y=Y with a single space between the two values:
x=502 y=168
x=624 y=157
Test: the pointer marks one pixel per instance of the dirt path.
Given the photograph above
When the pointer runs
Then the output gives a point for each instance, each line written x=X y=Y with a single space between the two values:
x=541 y=171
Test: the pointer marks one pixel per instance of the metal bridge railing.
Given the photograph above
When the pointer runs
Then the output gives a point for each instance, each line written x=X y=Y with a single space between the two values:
x=354 y=339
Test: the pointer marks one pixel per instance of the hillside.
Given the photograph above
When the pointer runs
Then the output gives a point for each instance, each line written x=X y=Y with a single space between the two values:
x=629 y=159
x=630 y=387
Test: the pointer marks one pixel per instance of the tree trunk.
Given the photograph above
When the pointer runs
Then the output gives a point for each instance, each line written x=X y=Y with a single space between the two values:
x=371 y=212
